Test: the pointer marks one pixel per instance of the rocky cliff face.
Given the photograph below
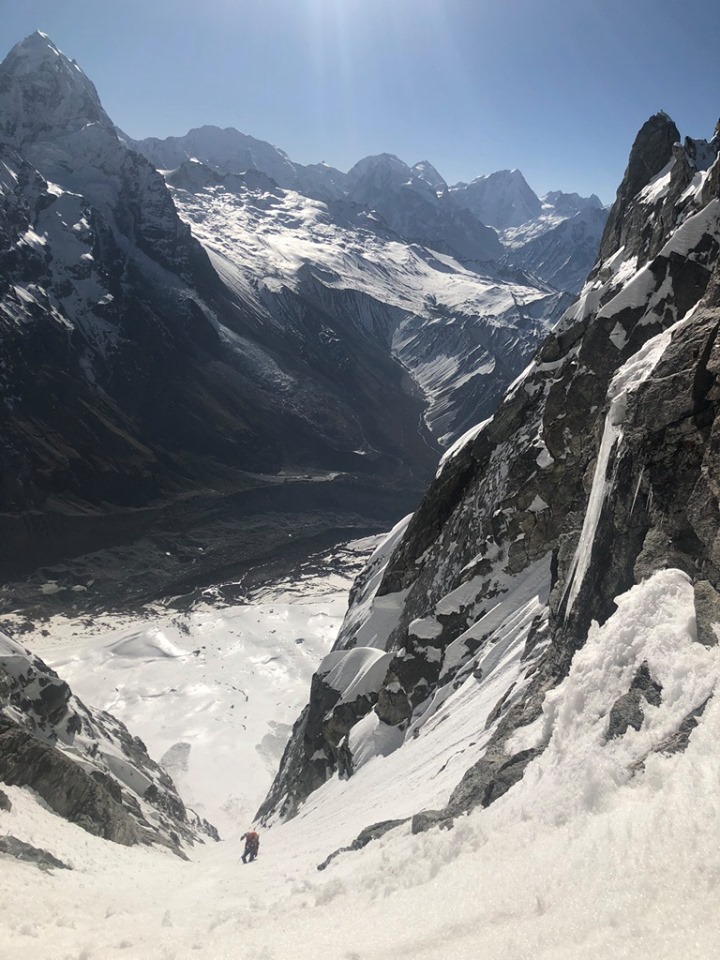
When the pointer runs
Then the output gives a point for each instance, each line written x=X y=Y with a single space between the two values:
x=84 y=764
x=595 y=473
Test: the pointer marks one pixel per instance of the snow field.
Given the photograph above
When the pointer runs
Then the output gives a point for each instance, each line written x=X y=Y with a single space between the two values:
x=582 y=859
x=212 y=694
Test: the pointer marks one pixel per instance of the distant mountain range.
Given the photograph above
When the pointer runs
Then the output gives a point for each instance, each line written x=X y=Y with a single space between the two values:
x=415 y=201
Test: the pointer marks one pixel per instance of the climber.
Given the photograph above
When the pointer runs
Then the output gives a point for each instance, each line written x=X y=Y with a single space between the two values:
x=252 y=845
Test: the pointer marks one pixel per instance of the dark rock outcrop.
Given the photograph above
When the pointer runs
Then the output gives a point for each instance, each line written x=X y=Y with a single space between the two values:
x=627 y=710
x=651 y=151
x=365 y=836
x=12 y=847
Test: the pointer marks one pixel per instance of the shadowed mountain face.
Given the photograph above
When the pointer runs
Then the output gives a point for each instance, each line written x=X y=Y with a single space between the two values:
x=198 y=402
x=595 y=475
x=136 y=384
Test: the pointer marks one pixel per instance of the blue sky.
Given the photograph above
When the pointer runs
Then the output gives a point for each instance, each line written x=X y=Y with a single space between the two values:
x=557 y=88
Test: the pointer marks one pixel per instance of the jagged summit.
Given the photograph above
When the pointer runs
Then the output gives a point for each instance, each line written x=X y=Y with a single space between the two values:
x=225 y=149
x=31 y=52
x=43 y=93
x=651 y=150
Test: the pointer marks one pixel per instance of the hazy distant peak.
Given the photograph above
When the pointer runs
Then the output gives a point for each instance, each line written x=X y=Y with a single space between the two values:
x=428 y=172
x=379 y=161
x=503 y=176
x=225 y=139
x=501 y=199
x=570 y=203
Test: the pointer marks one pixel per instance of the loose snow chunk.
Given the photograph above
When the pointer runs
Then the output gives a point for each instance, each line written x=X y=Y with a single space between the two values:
x=641 y=365
x=461 y=596
x=9 y=648
x=544 y=458
x=692 y=231
x=146 y=645
x=33 y=239
x=537 y=506
x=625 y=270
x=23 y=294
x=695 y=186
x=9 y=171
x=618 y=336
x=371 y=619
x=356 y=672
x=375 y=618
x=370 y=737
x=655 y=624
x=633 y=295
x=529 y=589
x=614 y=262
x=425 y=628
x=127 y=772
x=50 y=587
x=461 y=442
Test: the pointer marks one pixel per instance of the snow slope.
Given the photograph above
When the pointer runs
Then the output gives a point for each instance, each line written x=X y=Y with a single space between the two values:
x=213 y=692
x=581 y=860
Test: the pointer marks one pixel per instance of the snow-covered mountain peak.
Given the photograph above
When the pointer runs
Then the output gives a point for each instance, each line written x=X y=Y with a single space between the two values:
x=427 y=172
x=45 y=94
x=568 y=204
x=381 y=165
x=373 y=177
x=502 y=199
x=224 y=149
x=223 y=139
x=410 y=203
x=31 y=52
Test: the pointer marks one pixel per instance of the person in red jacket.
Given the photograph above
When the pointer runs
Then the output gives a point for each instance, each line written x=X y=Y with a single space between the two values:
x=252 y=845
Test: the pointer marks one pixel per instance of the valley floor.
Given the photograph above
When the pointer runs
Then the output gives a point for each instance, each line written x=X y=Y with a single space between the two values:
x=578 y=861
